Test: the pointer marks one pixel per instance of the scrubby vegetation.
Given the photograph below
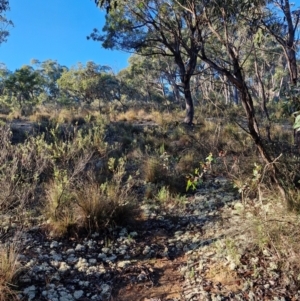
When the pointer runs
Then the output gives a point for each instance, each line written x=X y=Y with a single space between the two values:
x=76 y=179
x=82 y=147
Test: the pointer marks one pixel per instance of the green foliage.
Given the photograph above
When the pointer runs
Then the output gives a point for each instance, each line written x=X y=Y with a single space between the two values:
x=89 y=83
x=163 y=194
x=250 y=185
x=196 y=179
x=4 y=22
x=22 y=166
x=296 y=125
x=23 y=86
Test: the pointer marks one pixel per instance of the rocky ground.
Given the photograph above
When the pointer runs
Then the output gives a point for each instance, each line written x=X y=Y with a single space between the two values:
x=194 y=249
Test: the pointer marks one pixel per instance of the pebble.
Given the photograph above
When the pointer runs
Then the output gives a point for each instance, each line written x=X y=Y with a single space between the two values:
x=78 y=294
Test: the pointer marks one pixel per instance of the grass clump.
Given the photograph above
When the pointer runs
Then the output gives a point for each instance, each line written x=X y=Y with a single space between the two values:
x=10 y=269
x=74 y=204
x=99 y=208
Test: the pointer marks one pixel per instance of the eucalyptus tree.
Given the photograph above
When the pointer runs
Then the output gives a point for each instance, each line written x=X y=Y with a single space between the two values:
x=107 y=4
x=226 y=51
x=50 y=71
x=90 y=82
x=4 y=22
x=24 y=86
x=283 y=27
x=157 y=28
x=149 y=77
x=4 y=73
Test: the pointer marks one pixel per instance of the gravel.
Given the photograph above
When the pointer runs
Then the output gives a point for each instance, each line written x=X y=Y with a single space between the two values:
x=207 y=230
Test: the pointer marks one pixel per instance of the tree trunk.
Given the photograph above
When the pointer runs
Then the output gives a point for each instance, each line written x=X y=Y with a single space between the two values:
x=189 y=105
x=292 y=64
x=263 y=99
x=254 y=133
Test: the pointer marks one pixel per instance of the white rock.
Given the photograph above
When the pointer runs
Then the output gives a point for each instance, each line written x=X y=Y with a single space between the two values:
x=55 y=263
x=91 y=243
x=64 y=267
x=81 y=265
x=72 y=259
x=146 y=250
x=123 y=264
x=80 y=247
x=54 y=244
x=102 y=256
x=105 y=289
x=78 y=294
x=105 y=250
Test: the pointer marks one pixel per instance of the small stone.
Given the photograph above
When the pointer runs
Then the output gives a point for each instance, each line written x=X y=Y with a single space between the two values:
x=70 y=251
x=105 y=289
x=133 y=234
x=178 y=233
x=78 y=294
x=91 y=244
x=92 y=261
x=63 y=267
x=123 y=264
x=102 y=256
x=146 y=250
x=30 y=292
x=105 y=250
x=84 y=283
x=80 y=247
x=54 y=244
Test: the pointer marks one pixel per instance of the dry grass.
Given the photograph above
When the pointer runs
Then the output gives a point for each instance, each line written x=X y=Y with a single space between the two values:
x=10 y=268
x=40 y=117
x=15 y=114
x=100 y=206
x=153 y=170
x=130 y=115
x=58 y=206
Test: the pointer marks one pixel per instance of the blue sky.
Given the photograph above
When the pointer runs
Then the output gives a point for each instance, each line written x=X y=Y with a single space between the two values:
x=56 y=30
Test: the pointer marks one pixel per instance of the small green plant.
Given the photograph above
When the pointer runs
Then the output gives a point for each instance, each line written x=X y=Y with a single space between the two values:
x=250 y=184
x=196 y=179
x=163 y=194
x=296 y=125
x=192 y=273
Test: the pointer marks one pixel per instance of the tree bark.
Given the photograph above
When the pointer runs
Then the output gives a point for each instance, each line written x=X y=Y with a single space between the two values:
x=189 y=105
x=292 y=64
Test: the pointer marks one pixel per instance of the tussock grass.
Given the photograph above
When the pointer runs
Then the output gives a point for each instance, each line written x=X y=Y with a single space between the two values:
x=10 y=269
x=100 y=206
